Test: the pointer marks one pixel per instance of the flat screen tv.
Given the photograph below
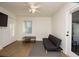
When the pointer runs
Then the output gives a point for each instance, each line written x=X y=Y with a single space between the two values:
x=3 y=19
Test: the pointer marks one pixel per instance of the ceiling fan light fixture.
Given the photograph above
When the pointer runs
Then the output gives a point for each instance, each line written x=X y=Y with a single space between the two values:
x=33 y=8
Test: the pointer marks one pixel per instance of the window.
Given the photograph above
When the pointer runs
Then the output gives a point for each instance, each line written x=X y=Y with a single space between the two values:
x=28 y=27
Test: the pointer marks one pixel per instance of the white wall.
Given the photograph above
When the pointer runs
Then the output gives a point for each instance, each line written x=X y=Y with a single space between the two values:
x=6 y=36
x=61 y=23
x=41 y=27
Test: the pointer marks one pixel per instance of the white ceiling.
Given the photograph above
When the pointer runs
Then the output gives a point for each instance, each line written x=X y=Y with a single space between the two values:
x=21 y=8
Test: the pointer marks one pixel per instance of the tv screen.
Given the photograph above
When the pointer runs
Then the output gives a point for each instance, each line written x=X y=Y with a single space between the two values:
x=3 y=20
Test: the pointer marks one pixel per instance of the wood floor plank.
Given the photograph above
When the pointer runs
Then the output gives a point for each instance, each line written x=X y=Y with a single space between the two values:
x=17 y=49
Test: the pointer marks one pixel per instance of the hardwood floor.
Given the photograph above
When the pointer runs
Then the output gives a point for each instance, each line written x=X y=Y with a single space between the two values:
x=21 y=49
x=17 y=49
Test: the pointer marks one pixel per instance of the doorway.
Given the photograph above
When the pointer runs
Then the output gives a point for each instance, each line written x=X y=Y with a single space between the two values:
x=75 y=32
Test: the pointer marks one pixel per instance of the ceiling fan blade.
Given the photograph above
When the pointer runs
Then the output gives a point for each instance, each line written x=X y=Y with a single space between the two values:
x=37 y=11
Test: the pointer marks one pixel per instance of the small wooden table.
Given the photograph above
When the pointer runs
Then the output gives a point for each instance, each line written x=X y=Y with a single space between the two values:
x=29 y=38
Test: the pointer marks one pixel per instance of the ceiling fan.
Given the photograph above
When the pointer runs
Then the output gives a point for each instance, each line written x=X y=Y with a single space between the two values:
x=33 y=8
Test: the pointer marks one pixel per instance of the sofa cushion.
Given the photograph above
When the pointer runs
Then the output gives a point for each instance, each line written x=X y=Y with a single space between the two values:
x=49 y=45
x=54 y=40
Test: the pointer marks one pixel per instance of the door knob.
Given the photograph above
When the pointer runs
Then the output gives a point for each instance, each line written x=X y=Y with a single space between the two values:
x=67 y=35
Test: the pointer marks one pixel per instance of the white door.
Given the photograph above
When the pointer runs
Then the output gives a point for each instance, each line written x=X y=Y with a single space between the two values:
x=69 y=29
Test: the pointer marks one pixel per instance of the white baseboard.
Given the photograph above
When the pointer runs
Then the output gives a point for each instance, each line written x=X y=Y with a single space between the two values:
x=36 y=40
x=39 y=40
x=65 y=53
x=70 y=54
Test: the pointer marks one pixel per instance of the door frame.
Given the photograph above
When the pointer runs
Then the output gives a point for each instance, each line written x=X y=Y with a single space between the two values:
x=73 y=9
